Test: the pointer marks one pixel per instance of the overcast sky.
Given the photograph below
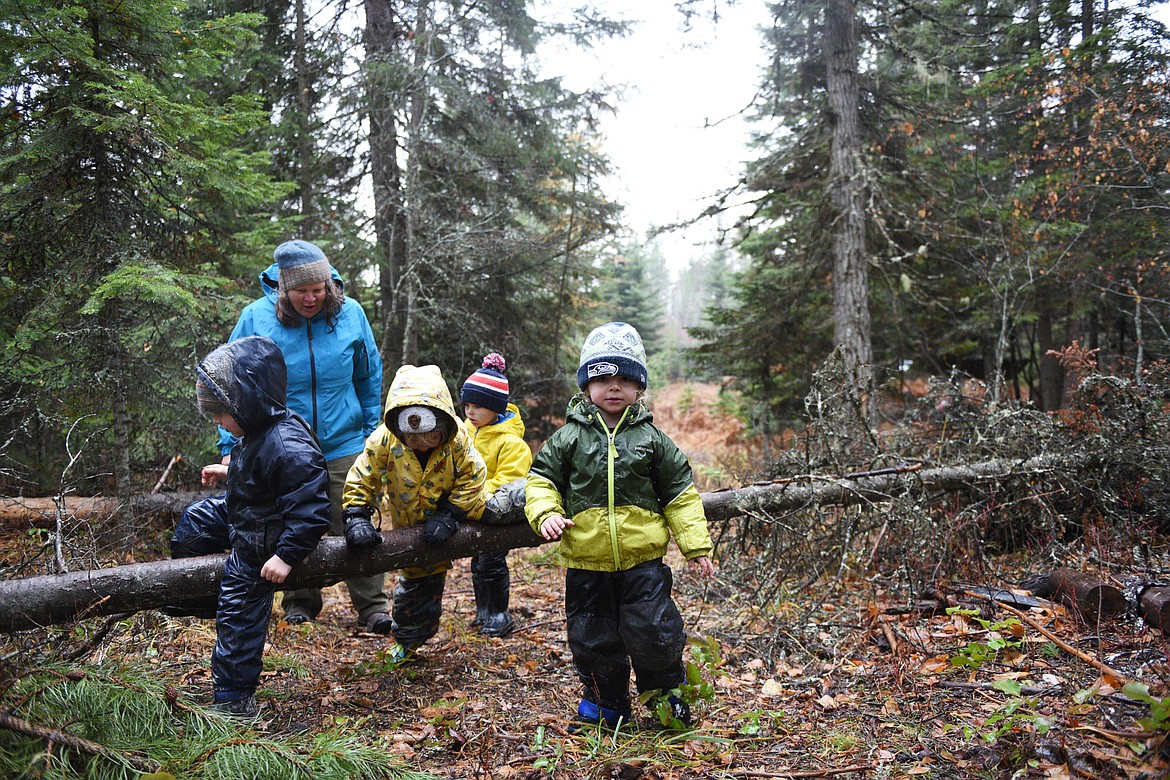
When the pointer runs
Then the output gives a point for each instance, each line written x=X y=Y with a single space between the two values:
x=678 y=136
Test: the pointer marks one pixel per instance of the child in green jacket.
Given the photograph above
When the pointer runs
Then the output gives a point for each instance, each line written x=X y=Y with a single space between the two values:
x=612 y=488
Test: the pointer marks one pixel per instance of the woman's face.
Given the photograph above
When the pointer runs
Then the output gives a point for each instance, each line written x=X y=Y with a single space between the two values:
x=307 y=299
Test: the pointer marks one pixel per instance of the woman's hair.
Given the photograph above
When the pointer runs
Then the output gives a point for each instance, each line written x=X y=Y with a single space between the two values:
x=334 y=298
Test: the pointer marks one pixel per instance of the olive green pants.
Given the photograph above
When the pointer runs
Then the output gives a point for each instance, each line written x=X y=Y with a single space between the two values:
x=368 y=594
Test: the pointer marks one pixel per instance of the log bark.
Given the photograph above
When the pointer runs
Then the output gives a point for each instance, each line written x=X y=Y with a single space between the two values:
x=190 y=582
x=1155 y=604
x=40 y=512
x=1083 y=593
x=194 y=582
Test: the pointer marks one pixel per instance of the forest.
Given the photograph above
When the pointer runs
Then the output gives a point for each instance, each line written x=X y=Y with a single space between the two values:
x=934 y=341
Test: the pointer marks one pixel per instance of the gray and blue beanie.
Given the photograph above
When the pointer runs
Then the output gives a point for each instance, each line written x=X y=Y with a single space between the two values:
x=300 y=263
x=613 y=348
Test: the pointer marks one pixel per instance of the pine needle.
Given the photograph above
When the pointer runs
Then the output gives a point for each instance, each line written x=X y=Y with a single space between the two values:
x=114 y=722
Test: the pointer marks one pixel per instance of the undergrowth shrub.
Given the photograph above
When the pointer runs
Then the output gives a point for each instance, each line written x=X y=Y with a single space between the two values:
x=1090 y=475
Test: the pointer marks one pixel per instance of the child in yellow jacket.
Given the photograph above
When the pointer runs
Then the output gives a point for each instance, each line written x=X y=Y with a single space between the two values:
x=421 y=467
x=498 y=434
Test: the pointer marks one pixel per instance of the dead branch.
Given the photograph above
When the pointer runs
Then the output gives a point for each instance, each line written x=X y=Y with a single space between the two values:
x=828 y=772
x=1105 y=669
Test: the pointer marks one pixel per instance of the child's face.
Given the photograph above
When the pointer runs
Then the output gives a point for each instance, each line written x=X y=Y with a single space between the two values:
x=479 y=416
x=228 y=423
x=613 y=394
x=423 y=442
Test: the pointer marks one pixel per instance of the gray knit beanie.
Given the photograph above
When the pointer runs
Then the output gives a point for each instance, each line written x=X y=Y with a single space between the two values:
x=300 y=263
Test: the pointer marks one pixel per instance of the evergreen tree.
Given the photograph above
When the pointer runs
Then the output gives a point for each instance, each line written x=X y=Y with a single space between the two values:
x=487 y=192
x=1013 y=156
x=632 y=292
x=119 y=186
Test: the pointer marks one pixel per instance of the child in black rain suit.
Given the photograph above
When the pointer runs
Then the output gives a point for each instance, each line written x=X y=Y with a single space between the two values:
x=277 y=505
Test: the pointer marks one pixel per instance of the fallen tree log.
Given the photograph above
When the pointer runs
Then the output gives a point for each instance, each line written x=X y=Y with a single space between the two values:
x=191 y=582
x=872 y=487
x=186 y=583
x=1083 y=593
x=41 y=512
x=1155 y=607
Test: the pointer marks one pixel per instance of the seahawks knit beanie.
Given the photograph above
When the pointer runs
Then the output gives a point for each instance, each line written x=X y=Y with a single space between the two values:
x=613 y=348
x=300 y=263
x=488 y=387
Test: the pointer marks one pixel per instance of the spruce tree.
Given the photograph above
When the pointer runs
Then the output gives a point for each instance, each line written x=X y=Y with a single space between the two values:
x=120 y=185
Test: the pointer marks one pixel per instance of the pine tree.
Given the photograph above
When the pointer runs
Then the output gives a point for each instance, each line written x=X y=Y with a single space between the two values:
x=119 y=186
x=487 y=192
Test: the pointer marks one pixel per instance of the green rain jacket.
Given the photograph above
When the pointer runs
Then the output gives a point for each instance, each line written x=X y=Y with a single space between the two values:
x=626 y=491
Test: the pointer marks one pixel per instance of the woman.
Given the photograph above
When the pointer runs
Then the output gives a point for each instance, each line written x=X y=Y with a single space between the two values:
x=334 y=382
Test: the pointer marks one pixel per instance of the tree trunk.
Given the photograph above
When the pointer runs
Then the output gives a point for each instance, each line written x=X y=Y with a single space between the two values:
x=383 y=92
x=1051 y=373
x=1155 y=607
x=412 y=259
x=39 y=512
x=851 y=320
x=49 y=599
x=309 y=225
x=1085 y=594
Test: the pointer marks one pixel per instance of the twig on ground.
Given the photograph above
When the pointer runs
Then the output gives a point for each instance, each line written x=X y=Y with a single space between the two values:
x=1031 y=690
x=1104 y=668
x=808 y=773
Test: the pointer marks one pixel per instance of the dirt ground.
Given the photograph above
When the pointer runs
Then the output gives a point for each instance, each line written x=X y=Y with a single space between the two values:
x=880 y=698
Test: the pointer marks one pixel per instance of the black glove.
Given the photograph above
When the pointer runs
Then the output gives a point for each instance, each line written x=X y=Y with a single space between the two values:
x=359 y=531
x=441 y=524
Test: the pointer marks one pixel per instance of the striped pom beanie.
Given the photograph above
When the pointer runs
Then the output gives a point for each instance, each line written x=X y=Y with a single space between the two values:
x=300 y=263
x=488 y=387
x=613 y=348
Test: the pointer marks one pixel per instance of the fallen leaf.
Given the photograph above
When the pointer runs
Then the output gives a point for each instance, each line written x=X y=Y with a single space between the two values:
x=939 y=663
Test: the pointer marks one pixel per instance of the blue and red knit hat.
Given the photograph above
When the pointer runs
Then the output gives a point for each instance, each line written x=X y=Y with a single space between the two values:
x=488 y=387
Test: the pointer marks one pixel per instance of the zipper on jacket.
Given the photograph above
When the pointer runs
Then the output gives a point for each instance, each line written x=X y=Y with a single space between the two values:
x=611 y=458
x=312 y=372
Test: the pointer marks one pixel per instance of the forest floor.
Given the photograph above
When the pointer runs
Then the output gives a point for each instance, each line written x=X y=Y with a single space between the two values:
x=886 y=691
x=888 y=701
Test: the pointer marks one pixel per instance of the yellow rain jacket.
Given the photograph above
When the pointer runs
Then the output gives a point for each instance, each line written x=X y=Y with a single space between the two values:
x=503 y=448
x=389 y=475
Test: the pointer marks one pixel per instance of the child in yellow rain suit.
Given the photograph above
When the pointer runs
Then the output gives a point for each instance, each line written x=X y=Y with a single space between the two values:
x=420 y=467
x=498 y=434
